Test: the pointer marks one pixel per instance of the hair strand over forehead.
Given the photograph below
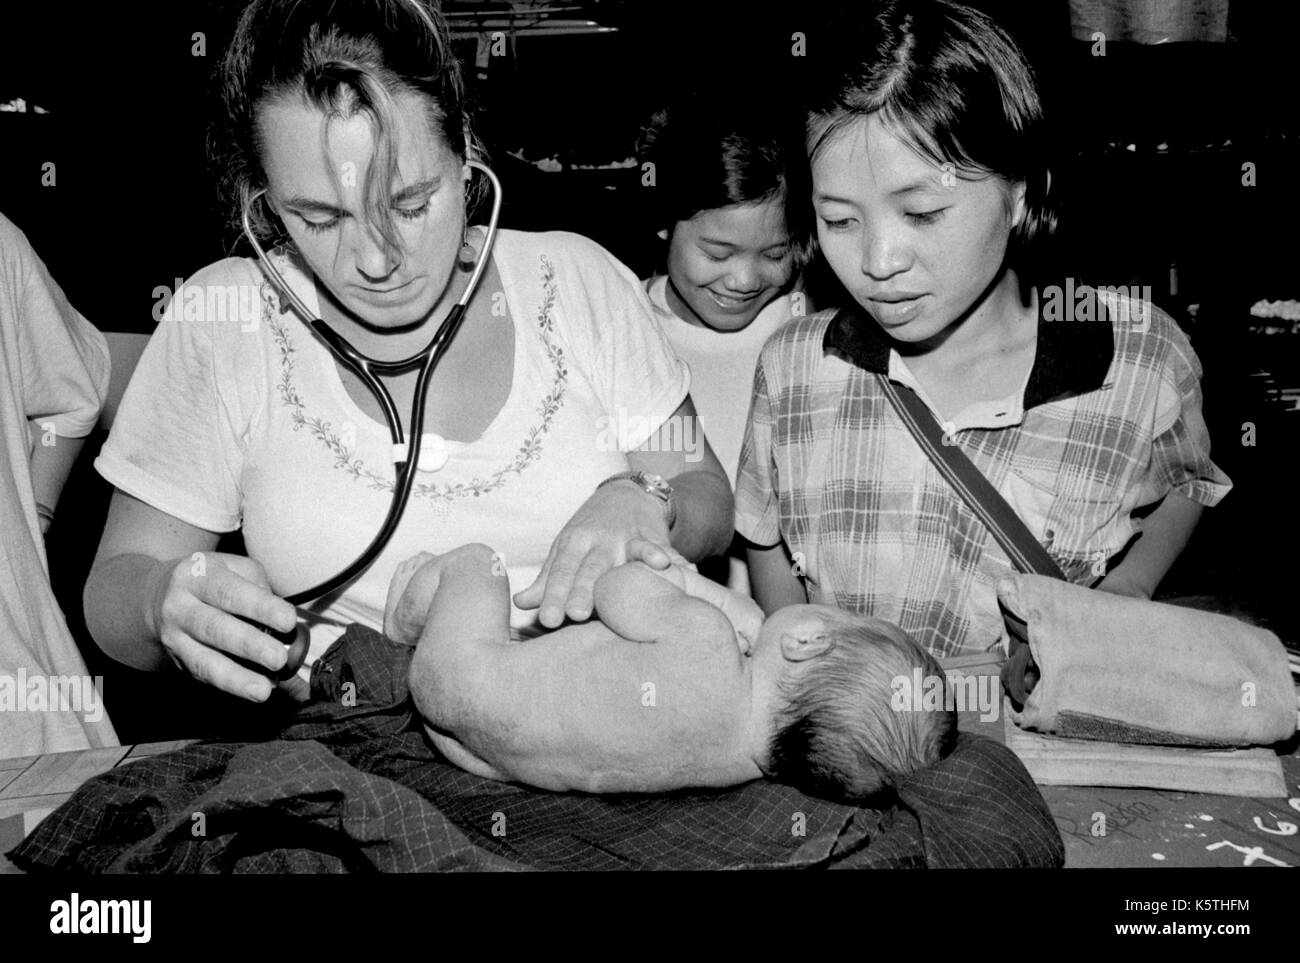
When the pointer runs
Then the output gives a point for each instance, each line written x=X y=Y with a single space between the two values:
x=342 y=59
x=950 y=83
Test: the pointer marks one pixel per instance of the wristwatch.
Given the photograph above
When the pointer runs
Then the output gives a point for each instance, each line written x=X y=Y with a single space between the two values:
x=653 y=485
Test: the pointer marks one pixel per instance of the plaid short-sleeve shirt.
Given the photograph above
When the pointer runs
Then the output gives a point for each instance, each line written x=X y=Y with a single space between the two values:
x=1109 y=421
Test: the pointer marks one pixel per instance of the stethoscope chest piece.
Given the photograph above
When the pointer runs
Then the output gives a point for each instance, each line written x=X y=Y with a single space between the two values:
x=433 y=453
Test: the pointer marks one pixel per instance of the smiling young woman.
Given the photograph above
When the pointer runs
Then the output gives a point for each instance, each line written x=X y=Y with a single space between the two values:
x=731 y=201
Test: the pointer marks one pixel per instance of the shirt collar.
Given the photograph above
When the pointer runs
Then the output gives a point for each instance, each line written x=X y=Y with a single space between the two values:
x=1071 y=358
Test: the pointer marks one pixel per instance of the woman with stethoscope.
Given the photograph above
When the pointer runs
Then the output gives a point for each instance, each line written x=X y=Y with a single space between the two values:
x=549 y=414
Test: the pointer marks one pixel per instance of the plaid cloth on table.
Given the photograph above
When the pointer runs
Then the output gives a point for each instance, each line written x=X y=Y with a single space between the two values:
x=352 y=784
x=1109 y=421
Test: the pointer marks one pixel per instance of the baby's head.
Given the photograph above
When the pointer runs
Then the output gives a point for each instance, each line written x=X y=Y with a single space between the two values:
x=835 y=733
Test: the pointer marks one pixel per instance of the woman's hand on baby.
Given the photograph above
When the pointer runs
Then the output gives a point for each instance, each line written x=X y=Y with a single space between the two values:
x=617 y=524
x=196 y=612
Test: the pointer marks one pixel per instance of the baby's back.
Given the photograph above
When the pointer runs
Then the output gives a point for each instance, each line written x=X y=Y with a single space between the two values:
x=586 y=709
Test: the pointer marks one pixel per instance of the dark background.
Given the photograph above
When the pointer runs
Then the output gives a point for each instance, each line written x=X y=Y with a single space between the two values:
x=1150 y=141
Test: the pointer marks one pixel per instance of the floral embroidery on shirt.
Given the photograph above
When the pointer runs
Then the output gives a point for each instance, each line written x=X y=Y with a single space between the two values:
x=344 y=455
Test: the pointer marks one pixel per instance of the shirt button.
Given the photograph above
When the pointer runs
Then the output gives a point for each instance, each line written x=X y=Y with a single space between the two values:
x=433 y=453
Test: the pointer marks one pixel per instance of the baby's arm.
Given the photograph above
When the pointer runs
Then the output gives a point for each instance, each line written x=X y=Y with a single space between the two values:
x=636 y=602
x=744 y=614
x=649 y=605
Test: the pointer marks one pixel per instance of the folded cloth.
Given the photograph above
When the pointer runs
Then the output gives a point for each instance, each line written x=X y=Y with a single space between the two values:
x=1121 y=669
x=352 y=784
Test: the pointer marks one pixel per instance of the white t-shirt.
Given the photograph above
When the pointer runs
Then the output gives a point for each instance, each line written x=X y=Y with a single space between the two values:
x=53 y=377
x=242 y=419
x=722 y=382
x=722 y=368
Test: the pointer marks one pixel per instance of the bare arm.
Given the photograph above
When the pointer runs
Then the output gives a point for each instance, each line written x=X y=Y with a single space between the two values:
x=702 y=495
x=640 y=604
x=50 y=466
x=158 y=595
x=620 y=523
x=744 y=614
x=1165 y=533
x=772 y=578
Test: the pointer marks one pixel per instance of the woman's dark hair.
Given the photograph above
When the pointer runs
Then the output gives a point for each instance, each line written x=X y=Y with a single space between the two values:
x=949 y=81
x=343 y=57
x=706 y=157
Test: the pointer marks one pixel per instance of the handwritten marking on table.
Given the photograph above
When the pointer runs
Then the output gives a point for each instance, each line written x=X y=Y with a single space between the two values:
x=1251 y=853
x=1283 y=828
x=1120 y=816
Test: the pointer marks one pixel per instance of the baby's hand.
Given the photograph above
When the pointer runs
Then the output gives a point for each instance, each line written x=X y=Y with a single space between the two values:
x=746 y=617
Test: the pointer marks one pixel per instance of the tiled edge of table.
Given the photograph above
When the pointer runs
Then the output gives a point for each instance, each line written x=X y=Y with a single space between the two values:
x=32 y=787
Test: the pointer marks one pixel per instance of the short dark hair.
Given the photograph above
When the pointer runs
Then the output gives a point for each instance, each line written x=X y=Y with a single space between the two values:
x=706 y=157
x=952 y=83
x=839 y=736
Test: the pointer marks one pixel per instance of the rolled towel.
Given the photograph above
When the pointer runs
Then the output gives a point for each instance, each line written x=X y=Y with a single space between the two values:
x=1120 y=669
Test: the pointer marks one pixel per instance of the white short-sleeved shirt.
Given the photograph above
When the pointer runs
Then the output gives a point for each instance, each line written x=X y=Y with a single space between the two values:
x=722 y=378
x=241 y=419
x=53 y=378
x=722 y=368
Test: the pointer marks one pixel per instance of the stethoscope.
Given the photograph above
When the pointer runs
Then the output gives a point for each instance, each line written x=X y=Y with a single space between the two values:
x=405 y=457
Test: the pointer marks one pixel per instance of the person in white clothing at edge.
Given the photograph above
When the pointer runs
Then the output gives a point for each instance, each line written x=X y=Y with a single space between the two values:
x=237 y=417
x=54 y=369
x=731 y=201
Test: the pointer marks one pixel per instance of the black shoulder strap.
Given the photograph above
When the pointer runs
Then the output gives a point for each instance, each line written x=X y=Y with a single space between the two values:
x=1024 y=550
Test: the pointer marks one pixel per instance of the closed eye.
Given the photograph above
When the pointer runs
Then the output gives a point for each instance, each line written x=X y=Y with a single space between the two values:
x=406 y=213
x=926 y=217
x=316 y=227
x=413 y=213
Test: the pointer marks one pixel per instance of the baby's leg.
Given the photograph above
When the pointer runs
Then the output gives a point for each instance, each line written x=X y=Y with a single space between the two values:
x=415 y=583
x=410 y=593
x=455 y=609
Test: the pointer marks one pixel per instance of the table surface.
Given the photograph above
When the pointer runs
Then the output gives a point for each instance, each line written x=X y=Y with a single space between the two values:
x=1143 y=827
x=1127 y=827
x=32 y=787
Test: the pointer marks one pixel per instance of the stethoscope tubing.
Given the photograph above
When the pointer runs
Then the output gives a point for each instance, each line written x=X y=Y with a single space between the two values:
x=406 y=456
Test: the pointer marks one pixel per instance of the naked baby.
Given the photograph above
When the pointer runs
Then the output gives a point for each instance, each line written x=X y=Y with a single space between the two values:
x=675 y=682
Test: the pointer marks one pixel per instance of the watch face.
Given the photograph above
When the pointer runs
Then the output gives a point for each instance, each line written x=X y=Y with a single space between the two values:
x=661 y=487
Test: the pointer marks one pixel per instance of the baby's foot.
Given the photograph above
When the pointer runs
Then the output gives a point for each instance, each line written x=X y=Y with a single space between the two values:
x=410 y=593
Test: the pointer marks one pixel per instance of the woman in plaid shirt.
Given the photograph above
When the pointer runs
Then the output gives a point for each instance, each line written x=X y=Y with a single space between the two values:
x=930 y=188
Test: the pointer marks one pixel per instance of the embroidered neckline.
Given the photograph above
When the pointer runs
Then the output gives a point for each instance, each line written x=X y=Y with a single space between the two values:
x=345 y=457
